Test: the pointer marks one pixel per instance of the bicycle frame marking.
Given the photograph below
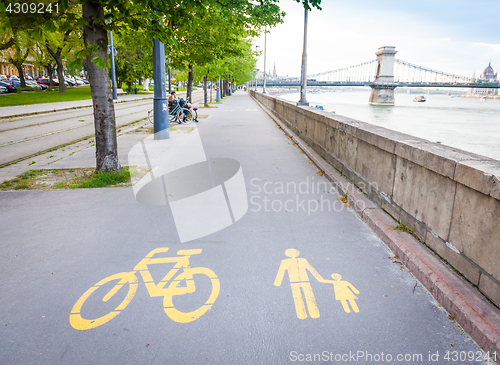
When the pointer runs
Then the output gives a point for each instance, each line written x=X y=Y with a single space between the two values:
x=154 y=290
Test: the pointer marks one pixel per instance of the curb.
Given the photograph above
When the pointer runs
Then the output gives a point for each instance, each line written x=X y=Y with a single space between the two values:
x=479 y=318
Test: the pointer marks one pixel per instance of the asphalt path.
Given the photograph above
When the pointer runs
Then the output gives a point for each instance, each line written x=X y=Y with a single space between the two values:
x=60 y=250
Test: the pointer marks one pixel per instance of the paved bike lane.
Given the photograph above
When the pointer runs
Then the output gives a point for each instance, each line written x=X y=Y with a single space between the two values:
x=302 y=278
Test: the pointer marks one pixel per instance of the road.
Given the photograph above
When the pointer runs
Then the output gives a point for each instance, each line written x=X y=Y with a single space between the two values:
x=298 y=279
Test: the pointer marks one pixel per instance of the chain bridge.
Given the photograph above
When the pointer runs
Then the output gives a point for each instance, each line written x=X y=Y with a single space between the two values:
x=383 y=75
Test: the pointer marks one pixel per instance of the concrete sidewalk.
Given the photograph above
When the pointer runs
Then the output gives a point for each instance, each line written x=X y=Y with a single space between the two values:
x=60 y=243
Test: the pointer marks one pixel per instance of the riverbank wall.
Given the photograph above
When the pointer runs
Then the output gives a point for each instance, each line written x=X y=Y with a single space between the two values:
x=450 y=198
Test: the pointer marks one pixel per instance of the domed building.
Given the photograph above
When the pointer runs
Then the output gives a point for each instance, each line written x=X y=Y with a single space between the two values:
x=489 y=74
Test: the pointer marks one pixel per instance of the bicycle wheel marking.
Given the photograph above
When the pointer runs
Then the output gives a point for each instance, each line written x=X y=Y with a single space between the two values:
x=185 y=317
x=80 y=323
x=180 y=271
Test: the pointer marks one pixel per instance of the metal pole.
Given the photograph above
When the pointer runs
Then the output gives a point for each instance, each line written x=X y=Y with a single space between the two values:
x=161 y=124
x=256 y=70
x=303 y=74
x=265 y=43
x=113 y=73
x=169 y=78
x=217 y=95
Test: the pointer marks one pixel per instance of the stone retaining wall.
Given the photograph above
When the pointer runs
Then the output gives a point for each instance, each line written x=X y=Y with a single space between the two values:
x=449 y=197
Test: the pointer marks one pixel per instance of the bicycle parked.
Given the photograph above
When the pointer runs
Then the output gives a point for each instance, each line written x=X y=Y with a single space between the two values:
x=176 y=114
x=186 y=105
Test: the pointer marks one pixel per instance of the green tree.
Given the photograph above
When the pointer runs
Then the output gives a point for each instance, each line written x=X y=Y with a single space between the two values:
x=21 y=47
x=134 y=55
x=42 y=58
x=161 y=19
x=59 y=45
x=139 y=14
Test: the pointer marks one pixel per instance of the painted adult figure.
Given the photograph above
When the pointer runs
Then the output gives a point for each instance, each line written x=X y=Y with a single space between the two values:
x=297 y=273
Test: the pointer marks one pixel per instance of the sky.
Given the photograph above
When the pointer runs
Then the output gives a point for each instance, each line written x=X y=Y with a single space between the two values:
x=454 y=36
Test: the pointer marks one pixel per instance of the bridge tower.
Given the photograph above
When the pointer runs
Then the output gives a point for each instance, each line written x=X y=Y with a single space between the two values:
x=383 y=86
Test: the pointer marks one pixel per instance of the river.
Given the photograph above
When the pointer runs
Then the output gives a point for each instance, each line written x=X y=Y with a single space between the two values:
x=465 y=123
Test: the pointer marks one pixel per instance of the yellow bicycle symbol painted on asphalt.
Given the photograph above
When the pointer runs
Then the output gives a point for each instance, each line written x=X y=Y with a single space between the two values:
x=155 y=290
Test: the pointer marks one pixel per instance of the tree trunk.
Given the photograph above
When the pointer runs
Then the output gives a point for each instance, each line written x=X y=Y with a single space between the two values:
x=190 y=83
x=60 y=69
x=100 y=88
x=50 y=71
x=21 y=75
x=205 y=92
x=60 y=75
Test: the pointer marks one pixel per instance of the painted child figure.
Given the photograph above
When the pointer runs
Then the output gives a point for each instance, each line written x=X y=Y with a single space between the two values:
x=344 y=292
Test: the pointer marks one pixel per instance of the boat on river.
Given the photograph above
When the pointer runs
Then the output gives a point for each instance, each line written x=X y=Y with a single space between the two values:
x=419 y=99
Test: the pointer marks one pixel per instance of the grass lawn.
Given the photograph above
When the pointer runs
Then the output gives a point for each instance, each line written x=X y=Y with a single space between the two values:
x=40 y=97
x=77 y=178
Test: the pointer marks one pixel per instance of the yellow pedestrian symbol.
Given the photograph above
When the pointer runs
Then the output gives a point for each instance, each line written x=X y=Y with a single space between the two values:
x=344 y=292
x=297 y=272
x=301 y=288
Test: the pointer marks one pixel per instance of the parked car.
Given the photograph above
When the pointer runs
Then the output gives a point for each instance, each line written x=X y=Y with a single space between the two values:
x=34 y=84
x=28 y=84
x=10 y=88
x=79 y=81
x=70 y=82
x=13 y=77
x=3 y=90
x=46 y=81
x=3 y=77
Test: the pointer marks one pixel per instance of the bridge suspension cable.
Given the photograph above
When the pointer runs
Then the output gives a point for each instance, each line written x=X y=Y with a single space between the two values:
x=403 y=72
x=409 y=72
x=363 y=72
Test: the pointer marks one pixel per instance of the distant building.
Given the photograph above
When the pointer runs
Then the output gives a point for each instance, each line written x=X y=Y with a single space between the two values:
x=7 y=69
x=488 y=75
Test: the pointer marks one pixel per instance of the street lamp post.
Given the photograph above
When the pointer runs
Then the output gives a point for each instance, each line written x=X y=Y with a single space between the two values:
x=218 y=94
x=256 y=70
x=303 y=74
x=265 y=44
x=169 y=78
x=112 y=59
